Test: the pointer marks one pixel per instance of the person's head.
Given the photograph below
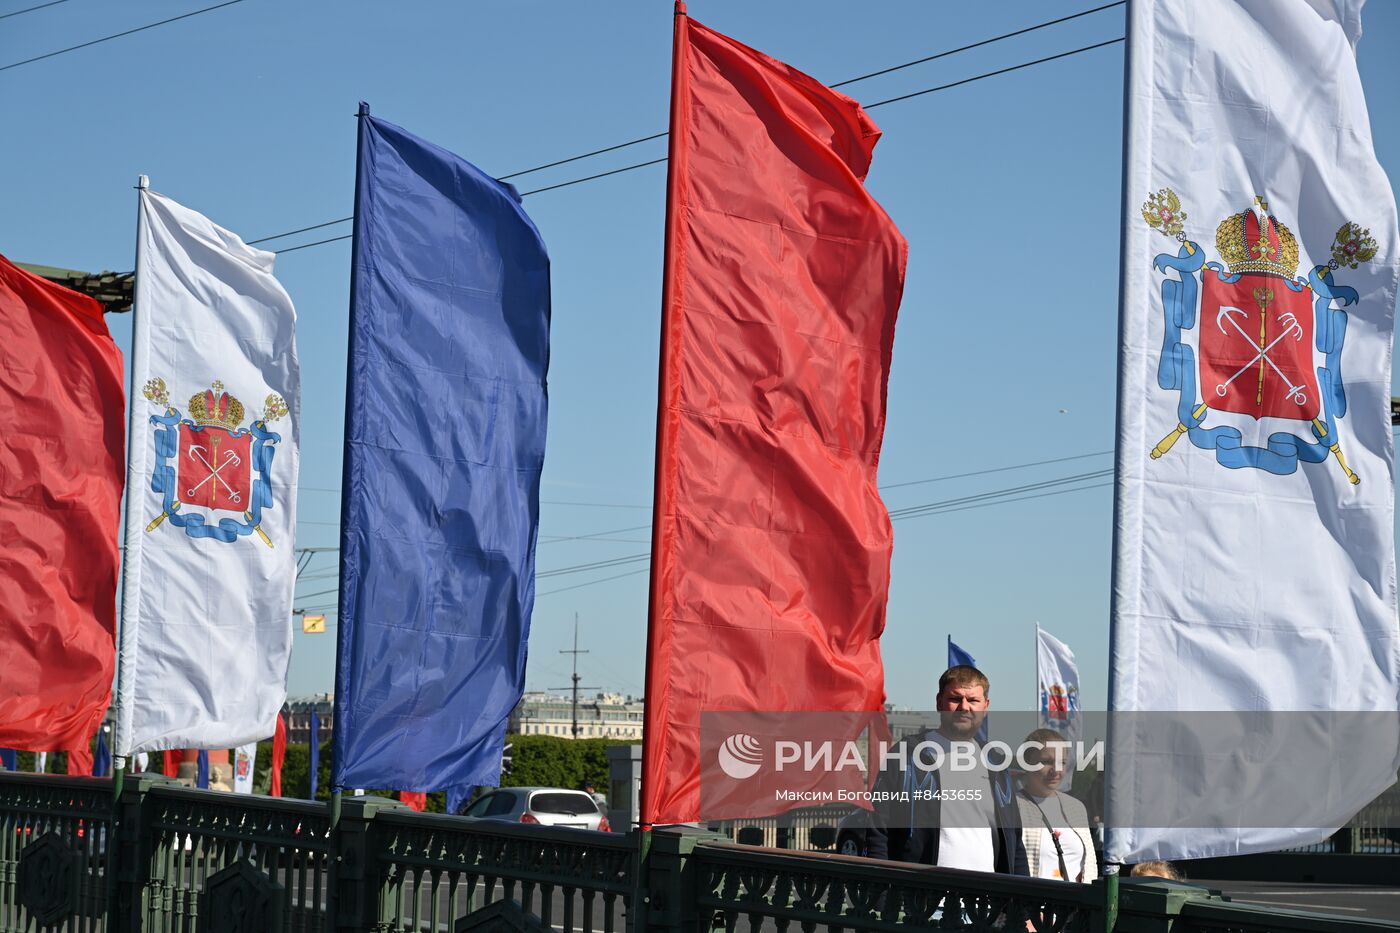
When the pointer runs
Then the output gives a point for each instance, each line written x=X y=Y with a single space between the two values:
x=962 y=701
x=1155 y=870
x=588 y=787
x=1047 y=753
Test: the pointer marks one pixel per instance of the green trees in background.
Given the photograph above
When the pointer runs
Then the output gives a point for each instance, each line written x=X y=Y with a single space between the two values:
x=536 y=761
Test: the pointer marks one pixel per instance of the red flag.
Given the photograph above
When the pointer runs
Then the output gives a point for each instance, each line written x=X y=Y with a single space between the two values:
x=171 y=767
x=415 y=800
x=62 y=460
x=80 y=760
x=279 y=751
x=770 y=544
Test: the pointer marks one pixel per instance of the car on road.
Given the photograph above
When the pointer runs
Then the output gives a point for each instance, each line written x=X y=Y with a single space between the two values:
x=852 y=832
x=545 y=806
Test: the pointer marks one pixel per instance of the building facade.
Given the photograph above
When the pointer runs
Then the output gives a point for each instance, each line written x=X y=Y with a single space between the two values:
x=600 y=716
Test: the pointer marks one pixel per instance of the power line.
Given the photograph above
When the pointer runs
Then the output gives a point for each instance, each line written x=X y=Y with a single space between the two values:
x=947 y=507
x=32 y=9
x=74 y=48
x=993 y=74
x=664 y=134
x=914 y=510
x=1014 y=466
x=630 y=573
x=976 y=45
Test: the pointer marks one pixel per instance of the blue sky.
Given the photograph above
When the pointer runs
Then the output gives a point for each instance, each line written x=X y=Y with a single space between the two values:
x=1007 y=190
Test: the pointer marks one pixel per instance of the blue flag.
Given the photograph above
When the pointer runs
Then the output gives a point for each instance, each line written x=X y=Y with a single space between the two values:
x=957 y=656
x=9 y=759
x=201 y=774
x=444 y=444
x=315 y=752
x=101 y=756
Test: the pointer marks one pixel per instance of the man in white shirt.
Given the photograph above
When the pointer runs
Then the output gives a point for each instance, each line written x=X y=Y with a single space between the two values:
x=958 y=815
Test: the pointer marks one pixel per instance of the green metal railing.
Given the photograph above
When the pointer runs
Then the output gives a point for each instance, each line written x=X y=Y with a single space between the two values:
x=54 y=834
x=179 y=859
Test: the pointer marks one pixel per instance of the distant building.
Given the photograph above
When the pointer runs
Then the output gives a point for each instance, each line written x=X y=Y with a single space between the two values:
x=298 y=713
x=600 y=716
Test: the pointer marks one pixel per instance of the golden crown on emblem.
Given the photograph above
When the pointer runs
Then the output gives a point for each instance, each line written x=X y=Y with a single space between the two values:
x=216 y=408
x=1255 y=241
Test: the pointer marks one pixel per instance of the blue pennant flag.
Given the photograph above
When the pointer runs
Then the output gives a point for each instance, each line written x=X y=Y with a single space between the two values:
x=957 y=656
x=101 y=757
x=315 y=752
x=201 y=774
x=444 y=444
x=9 y=759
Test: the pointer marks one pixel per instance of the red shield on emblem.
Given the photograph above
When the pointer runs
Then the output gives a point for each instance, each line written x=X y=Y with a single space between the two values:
x=1257 y=348
x=215 y=468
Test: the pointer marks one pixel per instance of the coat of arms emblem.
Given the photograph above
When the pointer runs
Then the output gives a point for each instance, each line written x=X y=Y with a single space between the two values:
x=1269 y=341
x=219 y=465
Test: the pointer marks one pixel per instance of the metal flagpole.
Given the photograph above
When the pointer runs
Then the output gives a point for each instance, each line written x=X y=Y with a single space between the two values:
x=337 y=734
x=1110 y=870
x=128 y=607
x=659 y=494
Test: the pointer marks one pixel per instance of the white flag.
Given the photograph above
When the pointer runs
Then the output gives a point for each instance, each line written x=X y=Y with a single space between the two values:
x=1254 y=559
x=245 y=758
x=211 y=489
x=1058 y=691
x=41 y=761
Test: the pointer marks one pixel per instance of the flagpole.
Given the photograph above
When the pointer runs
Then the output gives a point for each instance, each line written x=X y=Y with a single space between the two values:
x=1110 y=870
x=128 y=607
x=660 y=488
x=337 y=734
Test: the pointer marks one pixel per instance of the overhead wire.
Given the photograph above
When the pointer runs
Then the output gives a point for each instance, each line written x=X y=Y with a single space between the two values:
x=118 y=35
x=655 y=136
x=32 y=9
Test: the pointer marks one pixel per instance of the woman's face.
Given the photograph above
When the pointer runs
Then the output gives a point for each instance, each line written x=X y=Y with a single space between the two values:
x=1045 y=781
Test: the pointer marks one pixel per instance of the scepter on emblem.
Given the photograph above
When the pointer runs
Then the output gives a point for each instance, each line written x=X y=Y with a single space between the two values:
x=1290 y=320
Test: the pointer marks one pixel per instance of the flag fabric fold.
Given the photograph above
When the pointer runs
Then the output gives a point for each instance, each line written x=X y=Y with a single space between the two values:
x=770 y=544
x=80 y=760
x=314 y=754
x=61 y=474
x=444 y=444
x=210 y=522
x=279 y=753
x=1254 y=559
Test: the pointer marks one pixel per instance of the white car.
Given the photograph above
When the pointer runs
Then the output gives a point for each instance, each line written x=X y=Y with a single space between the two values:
x=545 y=806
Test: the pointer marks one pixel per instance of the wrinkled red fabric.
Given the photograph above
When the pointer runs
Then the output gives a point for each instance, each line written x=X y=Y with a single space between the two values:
x=415 y=800
x=80 y=760
x=771 y=546
x=62 y=463
x=170 y=767
x=279 y=752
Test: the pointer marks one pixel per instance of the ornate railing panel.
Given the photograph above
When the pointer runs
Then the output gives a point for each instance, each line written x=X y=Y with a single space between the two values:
x=747 y=888
x=54 y=837
x=188 y=836
x=435 y=870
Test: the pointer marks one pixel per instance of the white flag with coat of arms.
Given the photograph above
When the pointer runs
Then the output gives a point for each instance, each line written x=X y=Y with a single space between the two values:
x=1254 y=561
x=1057 y=691
x=213 y=456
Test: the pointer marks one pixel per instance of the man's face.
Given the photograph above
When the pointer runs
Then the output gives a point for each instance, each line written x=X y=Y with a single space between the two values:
x=962 y=710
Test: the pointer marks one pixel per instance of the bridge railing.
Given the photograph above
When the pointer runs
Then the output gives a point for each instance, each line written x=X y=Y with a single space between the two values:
x=180 y=859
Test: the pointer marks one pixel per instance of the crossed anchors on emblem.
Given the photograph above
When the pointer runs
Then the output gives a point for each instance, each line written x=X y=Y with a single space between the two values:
x=1262 y=326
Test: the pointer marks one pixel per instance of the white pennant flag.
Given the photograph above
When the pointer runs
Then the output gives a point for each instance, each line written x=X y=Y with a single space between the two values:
x=245 y=759
x=1254 y=534
x=211 y=489
x=1058 y=692
x=41 y=760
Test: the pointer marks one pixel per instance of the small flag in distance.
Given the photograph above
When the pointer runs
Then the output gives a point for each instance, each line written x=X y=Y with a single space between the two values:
x=313 y=625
